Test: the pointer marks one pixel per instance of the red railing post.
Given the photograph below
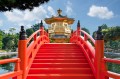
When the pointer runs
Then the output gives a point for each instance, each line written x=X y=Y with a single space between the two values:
x=17 y=68
x=78 y=28
x=85 y=37
x=99 y=55
x=42 y=28
x=47 y=33
x=35 y=37
x=22 y=47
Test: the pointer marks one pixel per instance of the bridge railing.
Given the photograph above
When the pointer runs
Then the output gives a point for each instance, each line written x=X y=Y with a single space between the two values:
x=32 y=47
x=87 y=43
x=27 y=49
x=94 y=51
x=109 y=73
x=16 y=73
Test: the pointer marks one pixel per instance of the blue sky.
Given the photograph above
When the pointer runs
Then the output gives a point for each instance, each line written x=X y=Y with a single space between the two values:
x=91 y=13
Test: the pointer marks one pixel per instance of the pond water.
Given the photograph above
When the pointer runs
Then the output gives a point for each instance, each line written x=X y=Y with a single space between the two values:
x=7 y=67
x=2 y=71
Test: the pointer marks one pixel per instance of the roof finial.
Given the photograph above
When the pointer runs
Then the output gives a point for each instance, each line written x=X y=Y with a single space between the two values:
x=78 y=24
x=59 y=11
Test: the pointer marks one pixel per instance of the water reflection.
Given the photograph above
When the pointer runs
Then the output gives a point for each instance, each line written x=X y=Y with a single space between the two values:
x=4 y=68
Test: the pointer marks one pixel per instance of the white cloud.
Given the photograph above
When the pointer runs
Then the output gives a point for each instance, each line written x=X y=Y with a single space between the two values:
x=21 y=16
x=51 y=10
x=1 y=22
x=100 y=12
x=27 y=17
x=69 y=9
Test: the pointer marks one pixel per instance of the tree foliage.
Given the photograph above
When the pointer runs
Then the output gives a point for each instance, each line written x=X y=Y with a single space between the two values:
x=1 y=37
x=103 y=26
x=8 y=5
x=111 y=33
x=111 y=37
x=10 y=40
x=29 y=31
x=86 y=30
x=33 y=28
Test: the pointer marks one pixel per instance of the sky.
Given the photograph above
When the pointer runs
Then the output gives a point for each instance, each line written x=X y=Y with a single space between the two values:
x=91 y=13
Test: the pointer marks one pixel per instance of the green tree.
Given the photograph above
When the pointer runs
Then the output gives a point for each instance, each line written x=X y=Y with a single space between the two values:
x=29 y=31
x=8 y=5
x=10 y=45
x=35 y=27
x=12 y=31
x=86 y=30
x=10 y=40
x=94 y=33
x=111 y=33
x=104 y=26
x=1 y=37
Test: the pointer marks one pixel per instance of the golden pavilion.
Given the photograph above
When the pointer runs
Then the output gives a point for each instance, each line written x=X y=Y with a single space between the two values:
x=59 y=28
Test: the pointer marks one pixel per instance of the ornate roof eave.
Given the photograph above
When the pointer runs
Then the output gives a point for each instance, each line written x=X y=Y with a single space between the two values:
x=56 y=19
x=59 y=18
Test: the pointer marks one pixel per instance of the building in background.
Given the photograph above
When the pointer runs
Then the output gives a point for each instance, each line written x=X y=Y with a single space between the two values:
x=59 y=28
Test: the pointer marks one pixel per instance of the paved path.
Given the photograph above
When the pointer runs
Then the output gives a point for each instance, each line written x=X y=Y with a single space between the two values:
x=112 y=55
x=7 y=53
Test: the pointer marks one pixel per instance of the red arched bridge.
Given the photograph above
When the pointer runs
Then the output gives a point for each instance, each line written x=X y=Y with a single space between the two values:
x=81 y=58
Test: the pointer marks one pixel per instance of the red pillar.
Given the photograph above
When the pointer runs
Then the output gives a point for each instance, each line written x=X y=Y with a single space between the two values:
x=99 y=55
x=22 y=47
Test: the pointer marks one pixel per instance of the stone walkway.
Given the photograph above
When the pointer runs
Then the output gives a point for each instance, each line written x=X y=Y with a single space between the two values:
x=8 y=53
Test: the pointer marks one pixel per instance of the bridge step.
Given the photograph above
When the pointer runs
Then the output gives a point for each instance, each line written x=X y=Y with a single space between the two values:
x=60 y=54
x=60 y=60
x=60 y=76
x=59 y=57
x=60 y=70
x=59 y=65
x=57 y=61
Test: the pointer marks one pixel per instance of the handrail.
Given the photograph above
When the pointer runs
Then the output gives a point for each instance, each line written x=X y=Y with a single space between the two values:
x=14 y=73
x=109 y=73
x=88 y=36
x=30 y=49
x=28 y=40
x=94 y=54
x=83 y=40
x=112 y=75
x=27 y=49
x=88 y=48
x=111 y=60
x=12 y=60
